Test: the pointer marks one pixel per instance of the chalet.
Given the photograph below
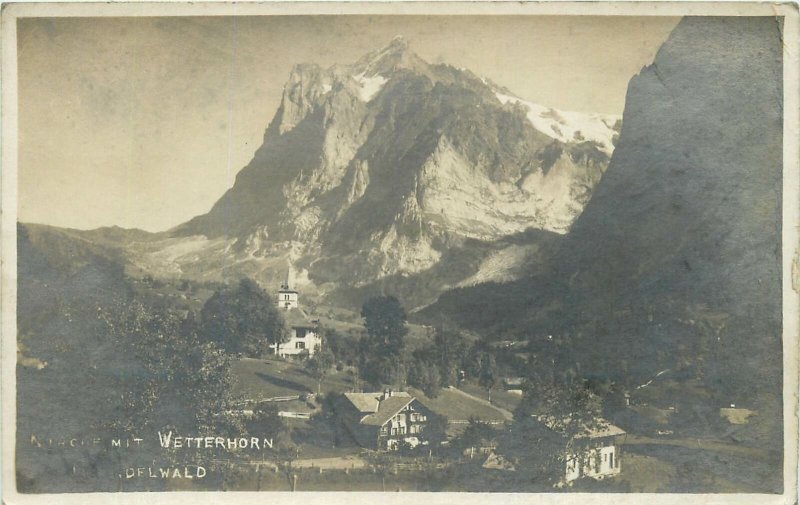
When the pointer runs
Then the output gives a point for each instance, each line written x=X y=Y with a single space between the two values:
x=303 y=331
x=598 y=455
x=382 y=421
x=596 y=451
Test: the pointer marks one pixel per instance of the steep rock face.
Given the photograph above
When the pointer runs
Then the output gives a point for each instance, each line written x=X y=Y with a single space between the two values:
x=692 y=201
x=380 y=167
x=676 y=260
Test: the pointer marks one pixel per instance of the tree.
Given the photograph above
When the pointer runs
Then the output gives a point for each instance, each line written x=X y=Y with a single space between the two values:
x=381 y=464
x=285 y=454
x=477 y=434
x=381 y=360
x=488 y=373
x=243 y=320
x=449 y=351
x=436 y=431
x=385 y=321
x=425 y=376
x=550 y=421
x=381 y=370
x=267 y=422
x=343 y=346
x=319 y=364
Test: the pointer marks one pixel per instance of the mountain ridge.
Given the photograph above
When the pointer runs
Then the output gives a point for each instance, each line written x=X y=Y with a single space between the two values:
x=377 y=169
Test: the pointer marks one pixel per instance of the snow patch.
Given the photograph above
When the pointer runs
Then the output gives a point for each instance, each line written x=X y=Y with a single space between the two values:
x=369 y=86
x=568 y=126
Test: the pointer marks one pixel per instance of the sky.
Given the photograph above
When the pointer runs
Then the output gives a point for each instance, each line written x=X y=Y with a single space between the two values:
x=144 y=122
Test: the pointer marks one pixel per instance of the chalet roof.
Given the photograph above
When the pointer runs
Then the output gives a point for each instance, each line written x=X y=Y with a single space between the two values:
x=378 y=411
x=607 y=430
x=604 y=428
x=387 y=410
x=364 y=402
x=297 y=318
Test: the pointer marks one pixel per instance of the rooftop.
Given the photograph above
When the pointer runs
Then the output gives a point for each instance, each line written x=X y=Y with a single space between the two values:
x=297 y=318
x=602 y=428
x=378 y=411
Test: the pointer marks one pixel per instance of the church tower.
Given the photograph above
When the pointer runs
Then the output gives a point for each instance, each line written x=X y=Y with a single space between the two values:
x=287 y=296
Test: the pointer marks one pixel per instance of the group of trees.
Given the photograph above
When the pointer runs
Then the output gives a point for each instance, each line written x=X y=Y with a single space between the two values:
x=383 y=357
x=243 y=319
x=174 y=378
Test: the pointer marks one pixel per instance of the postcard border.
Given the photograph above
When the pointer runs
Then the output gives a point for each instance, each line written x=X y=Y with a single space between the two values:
x=791 y=218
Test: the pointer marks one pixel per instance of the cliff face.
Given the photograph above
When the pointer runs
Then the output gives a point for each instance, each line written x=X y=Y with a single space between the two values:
x=692 y=200
x=382 y=167
x=675 y=263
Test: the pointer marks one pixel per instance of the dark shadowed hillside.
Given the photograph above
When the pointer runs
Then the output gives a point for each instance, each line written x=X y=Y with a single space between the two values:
x=676 y=260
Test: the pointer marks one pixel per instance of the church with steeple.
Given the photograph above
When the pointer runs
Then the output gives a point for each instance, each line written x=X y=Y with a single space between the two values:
x=303 y=331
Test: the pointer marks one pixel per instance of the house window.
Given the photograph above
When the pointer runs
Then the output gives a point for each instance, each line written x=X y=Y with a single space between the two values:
x=300 y=332
x=394 y=431
x=611 y=460
x=299 y=345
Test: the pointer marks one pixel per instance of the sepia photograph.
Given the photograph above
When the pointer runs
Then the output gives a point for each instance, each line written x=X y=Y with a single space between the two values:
x=399 y=248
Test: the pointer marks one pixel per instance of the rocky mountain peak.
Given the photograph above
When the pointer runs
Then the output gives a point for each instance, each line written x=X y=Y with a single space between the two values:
x=394 y=56
x=380 y=167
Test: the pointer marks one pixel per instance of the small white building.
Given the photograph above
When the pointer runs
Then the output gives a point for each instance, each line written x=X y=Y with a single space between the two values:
x=596 y=451
x=303 y=331
x=598 y=456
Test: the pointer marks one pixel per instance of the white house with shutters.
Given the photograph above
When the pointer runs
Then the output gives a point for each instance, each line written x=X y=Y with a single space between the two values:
x=599 y=454
x=596 y=450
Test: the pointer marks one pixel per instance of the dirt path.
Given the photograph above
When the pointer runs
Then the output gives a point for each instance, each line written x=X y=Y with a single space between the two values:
x=506 y=414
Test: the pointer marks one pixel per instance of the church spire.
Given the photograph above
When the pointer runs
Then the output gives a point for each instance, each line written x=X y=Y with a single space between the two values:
x=290 y=277
x=287 y=296
x=288 y=283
